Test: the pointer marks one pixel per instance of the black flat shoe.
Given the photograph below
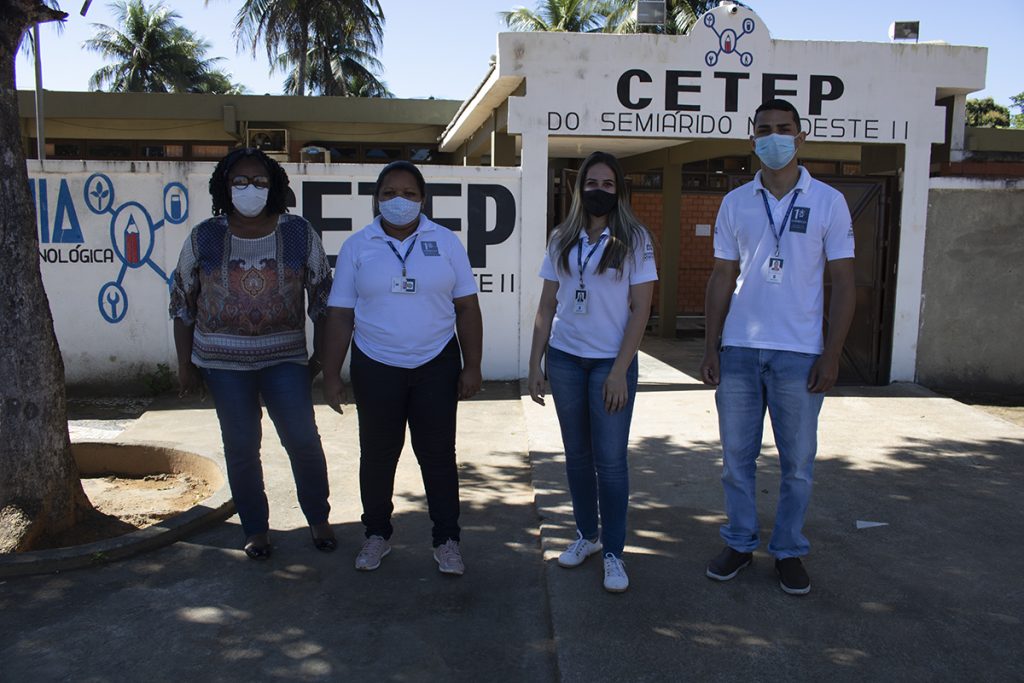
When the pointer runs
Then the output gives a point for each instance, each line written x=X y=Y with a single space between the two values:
x=324 y=545
x=257 y=551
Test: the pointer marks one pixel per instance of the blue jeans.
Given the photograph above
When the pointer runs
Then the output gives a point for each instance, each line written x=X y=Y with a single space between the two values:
x=751 y=381
x=595 y=443
x=285 y=389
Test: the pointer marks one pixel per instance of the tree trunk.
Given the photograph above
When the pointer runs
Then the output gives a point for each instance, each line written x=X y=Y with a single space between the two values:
x=40 y=490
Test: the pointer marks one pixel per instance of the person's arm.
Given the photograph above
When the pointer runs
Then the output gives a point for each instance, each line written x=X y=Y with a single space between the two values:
x=315 y=361
x=337 y=335
x=469 y=327
x=541 y=333
x=825 y=370
x=189 y=379
x=616 y=390
x=717 y=298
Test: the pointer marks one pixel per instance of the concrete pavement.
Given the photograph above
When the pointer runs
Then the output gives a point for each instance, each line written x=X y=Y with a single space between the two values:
x=934 y=595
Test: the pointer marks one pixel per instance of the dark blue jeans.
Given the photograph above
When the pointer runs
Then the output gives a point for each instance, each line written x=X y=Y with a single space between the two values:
x=426 y=399
x=285 y=389
x=595 y=443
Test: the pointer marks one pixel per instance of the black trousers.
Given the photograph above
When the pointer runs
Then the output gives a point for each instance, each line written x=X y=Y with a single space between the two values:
x=426 y=398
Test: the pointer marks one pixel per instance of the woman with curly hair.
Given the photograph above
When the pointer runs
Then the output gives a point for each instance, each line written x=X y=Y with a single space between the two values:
x=599 y=276
x=238 y=300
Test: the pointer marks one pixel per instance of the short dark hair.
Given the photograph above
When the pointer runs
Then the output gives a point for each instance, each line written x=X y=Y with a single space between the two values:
x=277 y=196
x=400 y=165
x=778 y=105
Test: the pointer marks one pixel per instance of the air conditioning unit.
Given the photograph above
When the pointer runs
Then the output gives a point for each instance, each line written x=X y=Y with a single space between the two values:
x=269 y=140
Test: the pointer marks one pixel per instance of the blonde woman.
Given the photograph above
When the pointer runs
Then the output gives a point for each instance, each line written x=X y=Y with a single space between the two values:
x=599 y=275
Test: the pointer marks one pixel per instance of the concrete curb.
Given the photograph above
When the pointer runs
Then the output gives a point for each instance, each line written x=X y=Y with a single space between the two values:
x=214 y=509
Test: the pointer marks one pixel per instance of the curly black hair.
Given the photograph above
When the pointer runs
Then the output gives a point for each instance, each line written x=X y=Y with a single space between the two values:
x=221 y=194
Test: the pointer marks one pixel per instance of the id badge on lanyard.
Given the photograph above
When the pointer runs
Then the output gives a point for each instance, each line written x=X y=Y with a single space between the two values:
x=403 y=284
x=774 y=268
x=579 y=302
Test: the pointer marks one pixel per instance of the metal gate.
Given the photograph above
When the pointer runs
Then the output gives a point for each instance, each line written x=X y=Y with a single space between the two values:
x=868 y=350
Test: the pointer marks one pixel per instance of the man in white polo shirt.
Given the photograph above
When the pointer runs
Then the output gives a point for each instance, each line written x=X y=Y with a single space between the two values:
x=764 y=347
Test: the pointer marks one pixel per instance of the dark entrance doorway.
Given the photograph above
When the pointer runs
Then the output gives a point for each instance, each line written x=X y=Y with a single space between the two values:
x=868 y=351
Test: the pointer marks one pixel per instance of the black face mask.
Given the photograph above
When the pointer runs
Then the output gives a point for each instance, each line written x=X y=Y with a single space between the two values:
x=599 y=202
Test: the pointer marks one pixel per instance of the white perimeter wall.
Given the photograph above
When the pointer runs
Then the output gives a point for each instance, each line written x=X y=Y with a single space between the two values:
x=109 y=299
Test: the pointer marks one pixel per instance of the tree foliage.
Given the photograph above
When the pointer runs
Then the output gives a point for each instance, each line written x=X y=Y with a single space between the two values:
x=985 y=113
x=611 y=16
x=1017 y=120
x=321 y=45
x=152 y=52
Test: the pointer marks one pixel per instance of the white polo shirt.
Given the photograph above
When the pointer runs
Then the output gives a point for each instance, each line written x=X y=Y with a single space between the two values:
x=786 y=315
x=597 y=333
x=402 y=329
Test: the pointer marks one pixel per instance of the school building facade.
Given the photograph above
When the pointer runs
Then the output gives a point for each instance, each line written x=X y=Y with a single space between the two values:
x=937 y=206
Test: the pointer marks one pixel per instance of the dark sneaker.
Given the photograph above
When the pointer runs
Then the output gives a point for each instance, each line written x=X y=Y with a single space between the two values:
x=728 y=564
x=792 y=577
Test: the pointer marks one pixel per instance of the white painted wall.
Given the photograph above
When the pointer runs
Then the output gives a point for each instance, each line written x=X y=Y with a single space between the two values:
x=109 y=302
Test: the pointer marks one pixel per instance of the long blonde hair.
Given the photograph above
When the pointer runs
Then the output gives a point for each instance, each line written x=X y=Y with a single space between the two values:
x=626 y=231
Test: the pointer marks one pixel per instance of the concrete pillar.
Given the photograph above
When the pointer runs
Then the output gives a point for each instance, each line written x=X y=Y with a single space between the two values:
x=668 y=268
x=913 y=217
x=958 y=128
x=533 y=223
x=503 y=149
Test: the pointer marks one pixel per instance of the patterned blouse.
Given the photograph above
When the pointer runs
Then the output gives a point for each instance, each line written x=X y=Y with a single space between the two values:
x=245 y=296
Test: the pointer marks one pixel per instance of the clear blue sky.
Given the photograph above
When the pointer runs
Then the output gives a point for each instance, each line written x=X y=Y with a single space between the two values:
x=441 y=48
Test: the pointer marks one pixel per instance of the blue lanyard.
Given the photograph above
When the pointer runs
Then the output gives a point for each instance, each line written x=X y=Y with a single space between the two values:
x=771 y=221
x=579 y=256
x=401 y=259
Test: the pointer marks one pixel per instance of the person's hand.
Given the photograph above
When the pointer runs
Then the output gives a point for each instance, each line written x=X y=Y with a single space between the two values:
x=335 y=393
x=314 y=367
x=536 y=385
x=190 y=381
x=469 y=382
x=824 y=374
x=616 y=392
x=710 y=369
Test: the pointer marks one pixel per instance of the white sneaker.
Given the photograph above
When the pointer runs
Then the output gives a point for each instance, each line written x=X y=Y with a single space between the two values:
x=449 y=558
x=579 y=550
x=615 y=579
x=372 y=552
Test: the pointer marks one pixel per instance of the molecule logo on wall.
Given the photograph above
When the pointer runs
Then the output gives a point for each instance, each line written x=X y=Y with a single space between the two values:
x=132 y=236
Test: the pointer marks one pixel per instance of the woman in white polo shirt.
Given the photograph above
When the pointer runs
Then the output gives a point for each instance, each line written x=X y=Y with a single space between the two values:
x=405 y=297
x=599 y=275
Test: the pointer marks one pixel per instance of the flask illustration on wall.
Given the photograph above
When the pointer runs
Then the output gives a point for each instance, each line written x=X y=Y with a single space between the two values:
x=176 y=206
x=131 y=242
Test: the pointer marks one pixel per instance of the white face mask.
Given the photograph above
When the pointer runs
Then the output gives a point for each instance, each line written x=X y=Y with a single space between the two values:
x=250 y=200
x=399 y=211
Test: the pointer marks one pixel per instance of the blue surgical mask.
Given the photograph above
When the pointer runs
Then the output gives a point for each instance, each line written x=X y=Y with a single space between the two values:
x=775 y=150
x=399 y=211
x=250 y=200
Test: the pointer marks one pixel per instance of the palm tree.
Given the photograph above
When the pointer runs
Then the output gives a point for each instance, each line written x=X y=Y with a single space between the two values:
x=152 y=52
x=612 y=16
x=296 y=33
x=339 y=66
x=574 y=16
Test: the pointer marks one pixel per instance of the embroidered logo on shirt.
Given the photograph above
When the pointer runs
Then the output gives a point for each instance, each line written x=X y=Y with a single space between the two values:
x=429 y=249
x=648 y=252
x=798 y=219
x=253 y=282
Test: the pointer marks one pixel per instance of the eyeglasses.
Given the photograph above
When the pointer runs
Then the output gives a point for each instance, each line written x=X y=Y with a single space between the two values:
x=243 y=181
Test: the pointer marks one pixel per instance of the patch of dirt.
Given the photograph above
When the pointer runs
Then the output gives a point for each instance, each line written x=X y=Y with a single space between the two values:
x=124 y=504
